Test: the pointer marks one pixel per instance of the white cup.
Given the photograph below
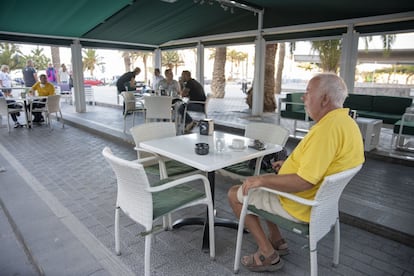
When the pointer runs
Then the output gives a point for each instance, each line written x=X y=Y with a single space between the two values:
x=237 y=143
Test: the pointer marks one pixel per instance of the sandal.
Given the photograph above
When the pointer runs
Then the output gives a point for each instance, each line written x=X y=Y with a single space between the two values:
x=280 y=246
x=270 y=263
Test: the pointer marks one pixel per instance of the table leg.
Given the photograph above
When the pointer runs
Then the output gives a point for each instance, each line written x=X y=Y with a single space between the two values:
x=204 y=221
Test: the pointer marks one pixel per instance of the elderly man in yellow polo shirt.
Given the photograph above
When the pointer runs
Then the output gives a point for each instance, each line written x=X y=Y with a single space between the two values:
x=332 y=145
x=43 y=88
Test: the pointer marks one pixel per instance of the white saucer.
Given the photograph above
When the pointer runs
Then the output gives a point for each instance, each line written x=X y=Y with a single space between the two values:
x=237 y=149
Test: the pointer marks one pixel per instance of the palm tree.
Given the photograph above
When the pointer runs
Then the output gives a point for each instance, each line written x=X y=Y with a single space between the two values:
x=218 y=83
x=269 y=104
x=55 y=57
x=329 y=54
x=280 y=64
x=144 y=56
x=91 y=60
x=127 y=60
x=10 y=54
x=171 y=60
x=40 y=61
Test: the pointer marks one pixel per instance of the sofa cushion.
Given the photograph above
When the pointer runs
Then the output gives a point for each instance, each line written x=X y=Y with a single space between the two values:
x=359 y=102
x=295 y=115
x=385 y=117
x=295 y=98
x=408 y=128
x=391 y=105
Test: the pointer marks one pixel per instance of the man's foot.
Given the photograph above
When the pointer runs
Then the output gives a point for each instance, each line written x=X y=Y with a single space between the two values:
x=189 y=127
x=280 y=246
x=17 y=124
x=257 y=262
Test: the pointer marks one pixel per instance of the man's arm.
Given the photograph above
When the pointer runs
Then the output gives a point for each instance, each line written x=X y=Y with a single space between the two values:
x=289 y=183
x=185 y=92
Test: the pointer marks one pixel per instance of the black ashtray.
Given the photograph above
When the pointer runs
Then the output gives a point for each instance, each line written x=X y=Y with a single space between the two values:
x=202 y=148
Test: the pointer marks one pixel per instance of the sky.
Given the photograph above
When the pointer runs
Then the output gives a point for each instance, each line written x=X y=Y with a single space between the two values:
x=114 y=65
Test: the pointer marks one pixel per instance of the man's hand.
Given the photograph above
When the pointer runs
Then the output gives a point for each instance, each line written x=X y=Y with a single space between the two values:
x=251 y=183
x=277 y=165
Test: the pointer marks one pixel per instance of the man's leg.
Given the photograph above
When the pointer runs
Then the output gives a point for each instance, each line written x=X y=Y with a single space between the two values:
x=252 y=223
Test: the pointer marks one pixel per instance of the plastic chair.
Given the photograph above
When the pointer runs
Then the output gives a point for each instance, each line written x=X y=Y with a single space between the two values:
x=324 y=215
x=5 y=111
x=157 y=108
x=145 y=203
x=89 y=95
x=132 y=105
x=52 y=105
x=265 y=132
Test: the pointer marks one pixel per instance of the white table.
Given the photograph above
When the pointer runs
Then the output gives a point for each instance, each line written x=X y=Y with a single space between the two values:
x=181 y=148
x=370 y=130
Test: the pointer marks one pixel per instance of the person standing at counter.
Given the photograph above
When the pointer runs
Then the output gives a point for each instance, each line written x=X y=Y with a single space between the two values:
x=126 y=82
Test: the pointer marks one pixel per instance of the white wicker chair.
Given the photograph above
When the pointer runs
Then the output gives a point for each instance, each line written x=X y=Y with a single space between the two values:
x=145 y=203
x=157 y=107
x=52 y=105
x=324 y=215
x=265 y=132
x=132 y=105
x=5 y=110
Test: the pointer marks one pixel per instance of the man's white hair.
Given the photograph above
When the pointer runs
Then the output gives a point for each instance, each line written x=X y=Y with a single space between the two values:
x=333 y=86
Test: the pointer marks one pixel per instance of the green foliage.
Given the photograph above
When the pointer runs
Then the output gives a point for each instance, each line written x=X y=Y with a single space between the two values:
x=91 y=60
x=329 y=54
x=171 y=59
x=40 y=61
x=11 y=55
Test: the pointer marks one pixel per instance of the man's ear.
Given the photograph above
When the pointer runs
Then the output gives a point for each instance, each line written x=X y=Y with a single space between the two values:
x=325 y=100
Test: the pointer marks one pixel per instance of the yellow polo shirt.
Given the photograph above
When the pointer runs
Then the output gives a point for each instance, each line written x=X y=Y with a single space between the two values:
x=332 y=145
x=47 y=90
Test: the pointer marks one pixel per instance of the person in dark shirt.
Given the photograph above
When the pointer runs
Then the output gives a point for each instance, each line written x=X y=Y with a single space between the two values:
x=195 y=92
x=29 y=74
x=126 y=82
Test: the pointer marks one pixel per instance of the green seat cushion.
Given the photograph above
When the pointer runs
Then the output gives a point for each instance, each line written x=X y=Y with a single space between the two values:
x=174 y=168
x=391 y=105
x=165 y=201
x=359 y=102
x=408 y=128
x=295 y=115
x=295 y=98
x=386 y=118
x=244 y=170
x=299 y=228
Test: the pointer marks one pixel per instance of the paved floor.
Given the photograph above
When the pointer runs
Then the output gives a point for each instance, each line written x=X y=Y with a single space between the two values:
x=60 y=193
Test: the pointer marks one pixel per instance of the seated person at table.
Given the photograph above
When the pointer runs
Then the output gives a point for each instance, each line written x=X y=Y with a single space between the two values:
x=333 y=144
x=43 y=88
x=12 y=104
x=195 y=92
x=169 y=85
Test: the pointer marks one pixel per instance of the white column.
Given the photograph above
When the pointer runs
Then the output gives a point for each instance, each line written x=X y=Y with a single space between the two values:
x=200 y=63
x=259 y=68
x=157 y=58
x=349 y=56
x=77 y=75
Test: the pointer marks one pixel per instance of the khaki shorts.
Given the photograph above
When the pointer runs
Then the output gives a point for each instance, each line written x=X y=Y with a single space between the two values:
x=268 y=202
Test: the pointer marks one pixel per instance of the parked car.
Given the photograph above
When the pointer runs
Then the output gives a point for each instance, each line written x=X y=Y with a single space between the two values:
x=92 y=81
x=18 y=81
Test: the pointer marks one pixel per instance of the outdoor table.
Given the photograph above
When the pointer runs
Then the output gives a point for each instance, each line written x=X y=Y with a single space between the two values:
x=182 y=149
